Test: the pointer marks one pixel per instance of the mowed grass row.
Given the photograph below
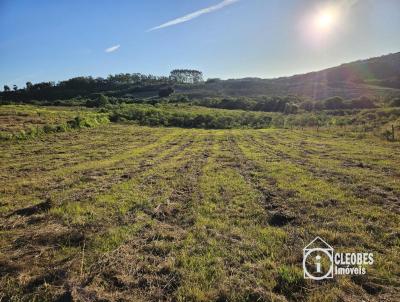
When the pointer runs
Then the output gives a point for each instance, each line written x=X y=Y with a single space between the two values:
x=230 y=252
x=72 y=160
x=152 y=214
x=368 y=168
x=318 y=198
x=51 y=239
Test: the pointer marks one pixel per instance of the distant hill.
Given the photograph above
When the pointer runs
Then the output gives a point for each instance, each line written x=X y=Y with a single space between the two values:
x=374 y=76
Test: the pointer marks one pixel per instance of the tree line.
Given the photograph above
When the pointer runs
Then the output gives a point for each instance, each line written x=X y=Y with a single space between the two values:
x=334 y=103
x=285 y=104
x=169 y=117
x=115 y=85
x=290 y=104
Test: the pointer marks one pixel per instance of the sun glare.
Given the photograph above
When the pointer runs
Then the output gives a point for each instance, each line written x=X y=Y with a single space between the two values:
x=325 y=19
x=322 y=24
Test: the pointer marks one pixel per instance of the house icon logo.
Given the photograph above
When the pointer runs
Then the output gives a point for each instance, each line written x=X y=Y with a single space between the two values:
x=318 y=260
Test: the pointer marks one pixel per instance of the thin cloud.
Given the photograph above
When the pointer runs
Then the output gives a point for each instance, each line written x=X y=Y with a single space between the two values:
x=112 y=48
x=195 y=14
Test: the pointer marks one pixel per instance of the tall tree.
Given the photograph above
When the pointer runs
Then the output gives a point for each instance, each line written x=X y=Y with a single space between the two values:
x=189 y=76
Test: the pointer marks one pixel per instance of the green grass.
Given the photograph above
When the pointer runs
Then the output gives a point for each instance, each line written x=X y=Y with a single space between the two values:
x=147 y=214
x=26 y=121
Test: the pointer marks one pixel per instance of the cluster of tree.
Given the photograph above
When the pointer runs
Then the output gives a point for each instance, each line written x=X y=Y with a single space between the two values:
x=137 y=78
x=335 y=103
x=15 y=87
x=285 y=104
x=152 y=116
x=117 y=85
x=188 y=76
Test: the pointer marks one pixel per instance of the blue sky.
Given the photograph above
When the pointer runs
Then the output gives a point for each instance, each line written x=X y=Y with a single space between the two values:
x=55 y=40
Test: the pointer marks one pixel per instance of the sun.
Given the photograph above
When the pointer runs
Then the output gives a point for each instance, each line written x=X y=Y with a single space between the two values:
x=325 y=19
x=322 y=24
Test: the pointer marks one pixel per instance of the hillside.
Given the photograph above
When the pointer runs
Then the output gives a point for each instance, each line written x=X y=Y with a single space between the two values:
x=374 y=76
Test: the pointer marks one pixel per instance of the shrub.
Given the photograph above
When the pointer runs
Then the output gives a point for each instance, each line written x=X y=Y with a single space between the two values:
x=99 y=102
x=48 y=128
x=278 y=121
x=361 y=103
x=334 y=103
x=165 y=92
x=176 y=117
x=307 y=106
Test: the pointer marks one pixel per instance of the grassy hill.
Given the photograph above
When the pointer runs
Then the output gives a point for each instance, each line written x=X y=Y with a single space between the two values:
x=372 y=77
x=375 y=75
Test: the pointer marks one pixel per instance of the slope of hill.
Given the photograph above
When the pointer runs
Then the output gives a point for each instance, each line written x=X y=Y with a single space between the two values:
x=372 y=77
x=375 y=76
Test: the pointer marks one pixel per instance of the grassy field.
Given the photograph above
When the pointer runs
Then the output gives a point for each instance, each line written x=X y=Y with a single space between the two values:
x=26 y=121
x=122 y=212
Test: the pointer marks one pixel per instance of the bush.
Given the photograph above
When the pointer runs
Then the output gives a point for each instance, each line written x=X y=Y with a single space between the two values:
x=165 y=92
x=361 y=103
x=334 y=103
x=286 y=104
x=100 y=102
x=307 y=106
x=176 y=117
x=48 y=128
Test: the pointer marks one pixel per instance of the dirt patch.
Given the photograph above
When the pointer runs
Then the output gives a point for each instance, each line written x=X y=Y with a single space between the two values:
x=35 y=209
x=384 y=197
x=65 y=297
x=53 y=277
x=164 y=211
x=51 y=235
x=327 y=203
x=9 y=268
x=141 y=267
x=280 y=218
x=356 y=164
